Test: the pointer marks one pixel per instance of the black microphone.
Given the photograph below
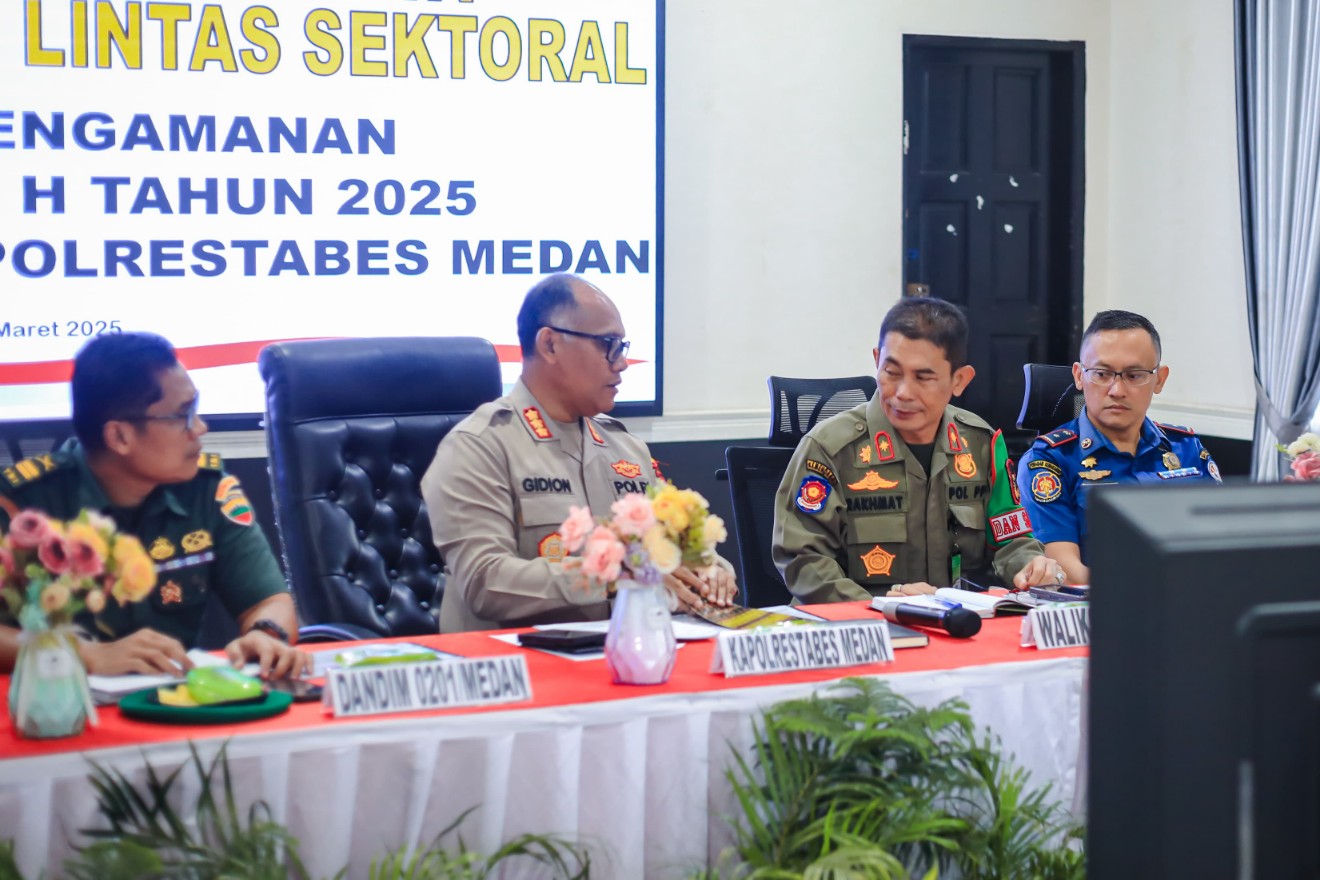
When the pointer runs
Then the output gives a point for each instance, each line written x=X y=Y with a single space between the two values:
x=961 y=623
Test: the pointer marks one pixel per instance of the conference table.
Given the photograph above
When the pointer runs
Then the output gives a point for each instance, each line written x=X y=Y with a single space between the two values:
x=638 y=774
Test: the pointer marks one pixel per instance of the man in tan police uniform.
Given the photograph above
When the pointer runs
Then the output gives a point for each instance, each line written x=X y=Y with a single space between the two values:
x=504 y=478
x=905 y=493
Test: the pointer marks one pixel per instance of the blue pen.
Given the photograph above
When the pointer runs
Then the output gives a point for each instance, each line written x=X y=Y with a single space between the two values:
x=947 y=603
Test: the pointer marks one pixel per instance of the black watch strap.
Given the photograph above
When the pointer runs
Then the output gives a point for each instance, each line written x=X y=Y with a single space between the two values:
x=272 y=629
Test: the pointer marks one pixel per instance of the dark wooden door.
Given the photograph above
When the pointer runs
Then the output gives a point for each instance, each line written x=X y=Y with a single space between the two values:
x=992 y=202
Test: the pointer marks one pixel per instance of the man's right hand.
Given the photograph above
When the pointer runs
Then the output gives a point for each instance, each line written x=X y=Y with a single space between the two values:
x=921 y=588
x=145 y=651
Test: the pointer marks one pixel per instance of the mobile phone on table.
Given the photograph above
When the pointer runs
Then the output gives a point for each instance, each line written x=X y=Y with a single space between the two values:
x=570 y=641
x=302 y=690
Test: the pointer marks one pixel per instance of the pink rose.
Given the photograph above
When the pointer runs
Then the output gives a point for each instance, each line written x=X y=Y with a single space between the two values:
x=84 y=560
x=29 y=529
x=55 y=554
x=576 y=528
x=1307 y=466
x=602 y=558
x=633 y=515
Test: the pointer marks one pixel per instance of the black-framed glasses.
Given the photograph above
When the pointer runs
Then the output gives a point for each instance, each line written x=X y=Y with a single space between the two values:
x=188 y=418
x=1132 y=378
x=615 y=347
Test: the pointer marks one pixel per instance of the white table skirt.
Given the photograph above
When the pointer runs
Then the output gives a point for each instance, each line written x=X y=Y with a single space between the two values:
x=642 y=781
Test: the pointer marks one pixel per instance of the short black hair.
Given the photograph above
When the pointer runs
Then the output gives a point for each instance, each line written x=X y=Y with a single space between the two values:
x=1118 y=319
x=116 y=375
x=937 y=321
x=543 y=306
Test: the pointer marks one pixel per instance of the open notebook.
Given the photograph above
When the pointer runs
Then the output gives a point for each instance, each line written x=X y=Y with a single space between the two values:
x=984 y=604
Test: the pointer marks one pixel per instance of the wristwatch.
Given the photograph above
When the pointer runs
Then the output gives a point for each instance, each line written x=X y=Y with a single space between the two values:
x=272 y=629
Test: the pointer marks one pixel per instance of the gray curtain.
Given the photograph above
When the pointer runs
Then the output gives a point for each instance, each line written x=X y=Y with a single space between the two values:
x=1278 y=90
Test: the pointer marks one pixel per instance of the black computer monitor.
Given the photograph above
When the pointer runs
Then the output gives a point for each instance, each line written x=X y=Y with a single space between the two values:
x=1204 y=724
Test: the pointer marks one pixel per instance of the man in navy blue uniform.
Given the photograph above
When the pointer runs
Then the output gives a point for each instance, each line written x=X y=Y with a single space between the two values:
x=1112 y=441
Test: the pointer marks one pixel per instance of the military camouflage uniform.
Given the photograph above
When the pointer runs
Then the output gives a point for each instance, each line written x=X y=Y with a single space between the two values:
x=856 y=513
x=499 y=488
x=201 y=534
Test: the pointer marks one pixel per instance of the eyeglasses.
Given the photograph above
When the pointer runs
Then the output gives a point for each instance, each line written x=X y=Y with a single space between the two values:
x=615 y=347
x=188 y=419
x=1132 y=378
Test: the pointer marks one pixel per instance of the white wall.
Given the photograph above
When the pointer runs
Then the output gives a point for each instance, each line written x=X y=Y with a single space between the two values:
x=783 y=180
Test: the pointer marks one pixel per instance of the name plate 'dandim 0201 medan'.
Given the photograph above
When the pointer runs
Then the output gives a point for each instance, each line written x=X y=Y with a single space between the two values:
x=438 y=684
x=768 y=650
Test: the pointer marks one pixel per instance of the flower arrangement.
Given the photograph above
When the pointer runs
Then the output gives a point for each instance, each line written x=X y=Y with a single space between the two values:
x=647 y=536
x=51 y=570
x=1305 y=455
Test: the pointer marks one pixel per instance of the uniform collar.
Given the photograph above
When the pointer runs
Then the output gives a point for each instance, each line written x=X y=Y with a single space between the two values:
x=877 y=421
x=1151 y=436
x=92 y=497
x=539 y=426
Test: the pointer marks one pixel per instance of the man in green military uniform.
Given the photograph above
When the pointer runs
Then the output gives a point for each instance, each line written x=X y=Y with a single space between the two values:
x=905 y=493
x=138 y=460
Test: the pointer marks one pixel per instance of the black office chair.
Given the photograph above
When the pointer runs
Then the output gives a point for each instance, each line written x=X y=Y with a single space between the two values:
x=796 y=405
x=754 y=474
x=1050 y=398
x=351 y=426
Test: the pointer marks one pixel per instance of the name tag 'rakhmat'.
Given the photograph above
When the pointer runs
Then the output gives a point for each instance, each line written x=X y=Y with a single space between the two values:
x=1057 y=626
x=786 y=649
x=439 y=684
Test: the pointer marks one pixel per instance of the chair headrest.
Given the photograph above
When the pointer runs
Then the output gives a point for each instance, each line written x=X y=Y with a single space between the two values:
x=340 y=378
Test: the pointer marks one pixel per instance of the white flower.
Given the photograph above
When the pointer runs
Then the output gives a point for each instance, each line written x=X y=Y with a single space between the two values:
x=1308 y=442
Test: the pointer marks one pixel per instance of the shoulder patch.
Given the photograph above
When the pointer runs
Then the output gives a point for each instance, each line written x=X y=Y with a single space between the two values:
x=1057 y=438
x=209 y=461
x=1180 y=429
x=30 y=469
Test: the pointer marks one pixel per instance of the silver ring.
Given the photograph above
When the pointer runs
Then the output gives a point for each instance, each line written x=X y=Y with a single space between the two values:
x=1058 y=576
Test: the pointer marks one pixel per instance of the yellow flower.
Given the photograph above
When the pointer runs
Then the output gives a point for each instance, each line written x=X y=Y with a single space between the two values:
x=54 y=597
x=137 y=574
x=714 y=531
x=127 y=547
x=95 y=601
x=671 y=511
x=84 y=532
x=664 y=553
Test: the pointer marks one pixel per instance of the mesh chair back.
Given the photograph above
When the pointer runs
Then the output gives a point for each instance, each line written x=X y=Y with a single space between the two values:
x=1050 y=398
x=754 y=476
x=351 y=427
x=796 y=405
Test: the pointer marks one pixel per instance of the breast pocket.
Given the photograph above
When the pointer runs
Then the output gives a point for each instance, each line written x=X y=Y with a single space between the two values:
x=877 y=549
x=539 y=519
x=969 y=534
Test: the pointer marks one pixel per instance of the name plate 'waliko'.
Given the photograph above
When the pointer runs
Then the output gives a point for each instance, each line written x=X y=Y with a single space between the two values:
x=769 y=650
x=438 y=684
x=1059 y=626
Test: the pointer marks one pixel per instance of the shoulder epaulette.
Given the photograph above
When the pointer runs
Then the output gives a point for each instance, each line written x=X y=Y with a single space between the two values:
x=1058 y=438
x=209 y=461
x=971 y=419
x=29 y=469
x=1178 y=428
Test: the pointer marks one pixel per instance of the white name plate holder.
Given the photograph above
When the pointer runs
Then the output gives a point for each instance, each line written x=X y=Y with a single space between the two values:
x=435 y=684
x=1063 y=625
x=771 y=650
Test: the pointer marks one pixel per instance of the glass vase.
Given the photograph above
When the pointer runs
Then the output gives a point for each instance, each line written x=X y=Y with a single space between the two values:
x=640 y=645
x=48 y=694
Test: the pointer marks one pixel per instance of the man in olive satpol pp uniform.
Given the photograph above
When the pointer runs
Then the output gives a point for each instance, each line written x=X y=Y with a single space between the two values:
x=905 y=493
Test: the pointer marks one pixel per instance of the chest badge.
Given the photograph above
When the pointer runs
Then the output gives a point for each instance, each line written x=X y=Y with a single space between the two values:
x=872 y=482
x=964 y=464
x=532 y=416
x=627 y=469
x=1088 y=462
x=551 y=548
x=878 y=561
x=1094 y=474
x=171 y=593
x=161 y=549
x=1171 y=461
x=196 y=542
